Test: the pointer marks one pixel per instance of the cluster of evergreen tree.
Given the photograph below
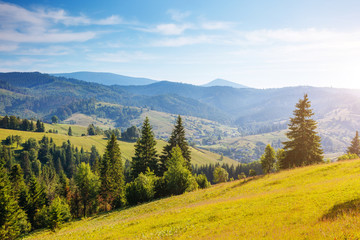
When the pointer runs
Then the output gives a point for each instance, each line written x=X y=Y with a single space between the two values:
x=233 y=171
x=45 y=185
x=15 y=123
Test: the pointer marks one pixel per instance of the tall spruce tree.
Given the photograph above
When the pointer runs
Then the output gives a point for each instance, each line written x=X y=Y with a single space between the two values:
x=177 y=138
x=304 y=145
x=13 y=220
x=145 y=151
x=112 y=175
x=354 y=148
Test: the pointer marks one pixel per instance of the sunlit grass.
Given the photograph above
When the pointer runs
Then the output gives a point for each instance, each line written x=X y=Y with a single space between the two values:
x=199 y=157
x=286 y=205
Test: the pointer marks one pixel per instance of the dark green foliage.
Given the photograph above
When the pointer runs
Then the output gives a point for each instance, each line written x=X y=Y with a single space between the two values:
x=145 y=151
x=268 y=159
x=354 y=148
x=36 y=200
x=70 y=131
x=304 y=145
x=220 y=175
x=88 y=185
x=142 y=189
x=132 y=133
x=233 y=171
x=112 y=176
x=177 y=138
x=202 y=181
x=54 y=215
x=40 y=126
x=13 y=220
x=252 y=173
x=91 y=130
x=110 y=132
x=178 y=177
x=54 y=119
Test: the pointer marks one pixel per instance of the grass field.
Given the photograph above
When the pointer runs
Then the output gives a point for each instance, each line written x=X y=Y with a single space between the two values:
x=316 y=202
x=199 y=157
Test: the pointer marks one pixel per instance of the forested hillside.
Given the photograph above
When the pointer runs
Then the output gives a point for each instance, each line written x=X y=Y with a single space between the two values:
x=246 y=111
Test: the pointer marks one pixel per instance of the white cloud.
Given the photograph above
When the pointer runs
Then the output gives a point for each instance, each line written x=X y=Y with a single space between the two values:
x=8 y=47
x=216 y=25
x=49 y=51
x=18 y=24
x=183 y=41
x=177 y=15
x=46 y=37
x=121 y=57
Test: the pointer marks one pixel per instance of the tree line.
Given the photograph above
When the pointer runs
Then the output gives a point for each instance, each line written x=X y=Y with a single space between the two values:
x=15 y=123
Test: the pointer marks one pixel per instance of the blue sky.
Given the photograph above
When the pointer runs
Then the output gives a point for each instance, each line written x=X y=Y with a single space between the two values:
x=262 y=44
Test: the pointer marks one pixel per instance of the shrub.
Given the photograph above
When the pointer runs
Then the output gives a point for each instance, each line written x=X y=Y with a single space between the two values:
x=348 y=156
x=220 y=175
x=202 y=181
x=142 y=189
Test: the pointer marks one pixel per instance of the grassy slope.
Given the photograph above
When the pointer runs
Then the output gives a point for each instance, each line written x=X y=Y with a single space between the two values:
x=199 y=157
x=286 y=205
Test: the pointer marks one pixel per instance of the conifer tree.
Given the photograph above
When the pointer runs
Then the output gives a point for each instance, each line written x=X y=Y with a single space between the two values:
x=268 y=159
x=70 y=132
x=145 y=151
x=112 y=175
x=354 y=148
x=13 y=220
x=304 y=145
x=177 y=138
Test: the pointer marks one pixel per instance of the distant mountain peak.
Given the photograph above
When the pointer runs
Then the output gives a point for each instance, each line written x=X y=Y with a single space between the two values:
x=223 y=83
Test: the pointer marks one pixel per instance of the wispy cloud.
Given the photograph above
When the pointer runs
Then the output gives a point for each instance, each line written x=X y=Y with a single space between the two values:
x=177 y=15
x=18 y=24
x=182 y=41
x=121 y=57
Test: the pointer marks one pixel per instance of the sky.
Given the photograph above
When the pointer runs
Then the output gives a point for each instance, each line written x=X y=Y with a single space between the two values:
x=258 y=43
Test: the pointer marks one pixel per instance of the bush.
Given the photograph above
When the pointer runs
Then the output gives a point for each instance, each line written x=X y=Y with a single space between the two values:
x=178 y=178
x=220 y=175
x=348 y=156
x=202 y=181
x=142 y=189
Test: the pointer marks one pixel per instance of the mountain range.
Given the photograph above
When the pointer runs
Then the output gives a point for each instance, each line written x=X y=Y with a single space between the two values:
x=40 y=95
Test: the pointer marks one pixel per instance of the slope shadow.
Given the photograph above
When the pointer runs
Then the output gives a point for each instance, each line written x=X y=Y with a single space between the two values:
x=346 y=208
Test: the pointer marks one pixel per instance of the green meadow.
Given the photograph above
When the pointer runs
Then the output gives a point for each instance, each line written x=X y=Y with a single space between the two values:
x=315 y=202
x=199 y=156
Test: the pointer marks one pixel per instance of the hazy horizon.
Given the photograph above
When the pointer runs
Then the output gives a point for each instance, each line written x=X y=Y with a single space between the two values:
x=259 y=44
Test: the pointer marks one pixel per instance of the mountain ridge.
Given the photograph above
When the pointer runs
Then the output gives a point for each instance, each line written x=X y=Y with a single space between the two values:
x=223 y=83
x=106 y=78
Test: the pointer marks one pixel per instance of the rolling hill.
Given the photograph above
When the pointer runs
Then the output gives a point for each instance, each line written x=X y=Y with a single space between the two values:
x=314 y=202
x=106 y=78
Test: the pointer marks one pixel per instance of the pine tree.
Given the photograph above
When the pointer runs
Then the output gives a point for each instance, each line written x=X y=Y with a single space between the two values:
x=112 y=175
x=304 y=145
x=13 y=220
x=268 y=159
x=70 y=132
x=354 y=148
x=145 y=151
x=177 y=138
x=36 y=199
